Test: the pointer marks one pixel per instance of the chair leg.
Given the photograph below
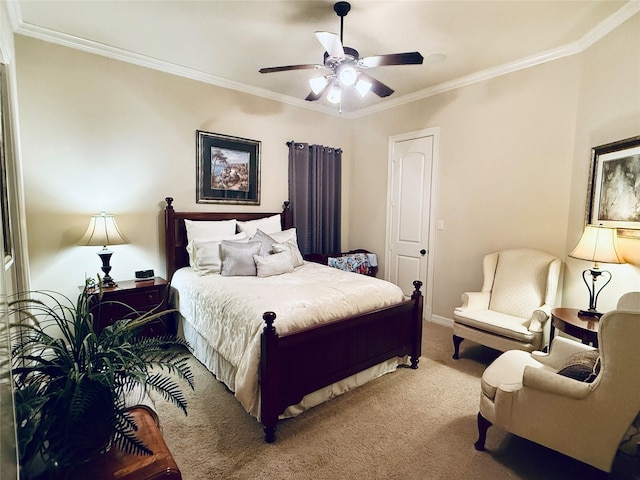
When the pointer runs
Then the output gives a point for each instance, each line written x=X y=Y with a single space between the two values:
x=456 y=346
x=483 y=426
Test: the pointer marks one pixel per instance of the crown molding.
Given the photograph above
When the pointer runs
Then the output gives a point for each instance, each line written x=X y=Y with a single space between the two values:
x=616 y=19
x=600 y=31
x=122 y=55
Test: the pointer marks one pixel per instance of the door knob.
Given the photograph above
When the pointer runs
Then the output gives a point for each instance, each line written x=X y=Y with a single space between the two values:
x=423 y=252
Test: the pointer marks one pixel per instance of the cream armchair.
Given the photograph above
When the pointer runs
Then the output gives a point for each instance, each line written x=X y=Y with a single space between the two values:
x=513 y=308
x=523 y=393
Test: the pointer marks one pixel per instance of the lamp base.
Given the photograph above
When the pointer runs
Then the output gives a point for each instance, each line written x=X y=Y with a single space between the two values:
x=107 y=282
x=105 y=256
x=589 y=313
x=594 y=273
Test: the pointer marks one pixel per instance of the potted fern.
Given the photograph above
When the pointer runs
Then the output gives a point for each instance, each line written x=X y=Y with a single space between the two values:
x=70 y=383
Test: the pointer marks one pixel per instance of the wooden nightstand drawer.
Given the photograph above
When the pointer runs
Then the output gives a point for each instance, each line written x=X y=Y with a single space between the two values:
x=144 y=300
x=142 y=296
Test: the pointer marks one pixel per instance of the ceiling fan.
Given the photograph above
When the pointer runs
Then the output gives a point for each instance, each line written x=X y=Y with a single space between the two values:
x=346 y=68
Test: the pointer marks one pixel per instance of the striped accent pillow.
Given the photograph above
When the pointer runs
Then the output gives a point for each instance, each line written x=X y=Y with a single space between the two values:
x=275 y=264
x=292 y=247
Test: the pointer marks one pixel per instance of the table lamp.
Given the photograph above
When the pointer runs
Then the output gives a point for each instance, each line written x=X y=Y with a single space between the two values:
x=103 y=231
x=597 y=244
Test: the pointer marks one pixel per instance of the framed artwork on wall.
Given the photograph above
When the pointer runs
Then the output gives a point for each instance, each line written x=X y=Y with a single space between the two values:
x=228 y=169
x=614 y=186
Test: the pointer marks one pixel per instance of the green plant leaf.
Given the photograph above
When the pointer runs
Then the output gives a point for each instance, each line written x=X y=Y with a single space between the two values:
x=70 y=382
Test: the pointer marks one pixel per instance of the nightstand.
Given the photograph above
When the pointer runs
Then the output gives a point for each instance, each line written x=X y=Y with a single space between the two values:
x=143 y=296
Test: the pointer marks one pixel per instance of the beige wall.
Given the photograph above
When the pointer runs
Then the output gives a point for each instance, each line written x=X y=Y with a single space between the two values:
x=503 y=165
x=608 y=110
x=513 y=164
x=98 y=134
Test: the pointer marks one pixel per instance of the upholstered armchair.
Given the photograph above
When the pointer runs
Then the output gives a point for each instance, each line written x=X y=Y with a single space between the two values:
x=513 y=308
x=575 y=399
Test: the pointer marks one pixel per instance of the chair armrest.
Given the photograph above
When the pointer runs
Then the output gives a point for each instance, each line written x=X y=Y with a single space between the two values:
x=561 y=349
x=539 y=317
x=551 y=382
x=474 y=301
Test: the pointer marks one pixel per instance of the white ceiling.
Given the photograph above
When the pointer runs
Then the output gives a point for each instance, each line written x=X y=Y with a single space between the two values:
x=227 y=42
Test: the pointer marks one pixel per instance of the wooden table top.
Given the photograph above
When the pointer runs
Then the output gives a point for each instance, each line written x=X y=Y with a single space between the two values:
x=570 y=316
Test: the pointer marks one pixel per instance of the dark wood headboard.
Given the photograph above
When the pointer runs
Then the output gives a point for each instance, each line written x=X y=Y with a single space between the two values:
x=175 y=232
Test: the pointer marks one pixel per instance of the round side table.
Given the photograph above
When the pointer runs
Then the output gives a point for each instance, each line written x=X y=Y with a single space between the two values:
x=568 y=321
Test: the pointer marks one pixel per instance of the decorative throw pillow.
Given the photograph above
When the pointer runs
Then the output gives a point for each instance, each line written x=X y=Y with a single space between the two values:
x=292 y=247
x=237 y=258
x=206 y=255
x=582 y=366
x=275 y=264
x=267 y=225
x=265 y=240
x=191 y=247
x=355 y=262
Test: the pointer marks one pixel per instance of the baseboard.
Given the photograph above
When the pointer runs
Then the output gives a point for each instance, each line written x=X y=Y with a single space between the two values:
x=447 y=322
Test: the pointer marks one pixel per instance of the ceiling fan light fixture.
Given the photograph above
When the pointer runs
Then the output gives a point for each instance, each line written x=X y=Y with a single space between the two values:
x=346 y=68
x=347 y=75
x=363 y=87
x=317 y=84
x=334 y=95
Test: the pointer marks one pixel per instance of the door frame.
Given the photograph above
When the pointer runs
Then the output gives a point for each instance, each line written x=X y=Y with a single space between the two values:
x=431 y=254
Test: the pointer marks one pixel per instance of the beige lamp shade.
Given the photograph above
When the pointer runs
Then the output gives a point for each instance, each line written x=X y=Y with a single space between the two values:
x=102 y=231
x=598 y=244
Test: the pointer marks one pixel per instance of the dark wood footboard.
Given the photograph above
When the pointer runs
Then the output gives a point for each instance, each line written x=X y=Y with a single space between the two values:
x=295 y=364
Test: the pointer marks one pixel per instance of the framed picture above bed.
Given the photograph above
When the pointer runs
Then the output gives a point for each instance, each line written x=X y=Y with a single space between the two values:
x=614 y=187
x=228 y=169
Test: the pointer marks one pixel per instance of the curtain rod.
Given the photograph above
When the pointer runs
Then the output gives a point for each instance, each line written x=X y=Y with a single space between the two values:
x=300 y=145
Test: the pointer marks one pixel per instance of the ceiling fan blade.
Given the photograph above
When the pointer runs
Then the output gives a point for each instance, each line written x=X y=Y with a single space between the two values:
x=312 y=97
x=408 y=58
x=377 y=86
x=331 y=43
x=285 y=68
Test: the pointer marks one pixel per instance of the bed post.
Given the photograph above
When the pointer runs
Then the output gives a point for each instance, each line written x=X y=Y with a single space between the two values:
x=416 y=349
x=287 y=216
x=170 y=237
x=269 y=381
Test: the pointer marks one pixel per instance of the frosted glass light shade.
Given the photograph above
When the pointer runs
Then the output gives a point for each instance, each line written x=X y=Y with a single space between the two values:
x=347 y=75
x=102 y=231
x=334 y=96
x=599 y=245
x=363 y=87
x=317 y=84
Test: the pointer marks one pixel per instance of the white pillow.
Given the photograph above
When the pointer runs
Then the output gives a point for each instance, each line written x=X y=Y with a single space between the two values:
x=206 y=254
x=267 y=225
x=275 y=264
x=284 y=236
x=207 y=230
x=292 y=247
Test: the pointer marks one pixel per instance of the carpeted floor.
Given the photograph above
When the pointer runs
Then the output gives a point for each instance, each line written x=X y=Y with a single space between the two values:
x=409 y=424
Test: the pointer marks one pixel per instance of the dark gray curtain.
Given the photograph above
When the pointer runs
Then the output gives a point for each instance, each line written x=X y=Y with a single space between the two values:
x=314 y=193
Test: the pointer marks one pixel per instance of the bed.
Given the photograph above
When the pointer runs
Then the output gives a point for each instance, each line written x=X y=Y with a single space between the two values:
x=296 y=368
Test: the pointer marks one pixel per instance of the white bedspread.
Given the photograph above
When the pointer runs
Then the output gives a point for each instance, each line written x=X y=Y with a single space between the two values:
x=227 y=311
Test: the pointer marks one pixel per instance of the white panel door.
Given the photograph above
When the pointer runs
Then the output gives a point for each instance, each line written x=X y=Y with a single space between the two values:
x=409 y=211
